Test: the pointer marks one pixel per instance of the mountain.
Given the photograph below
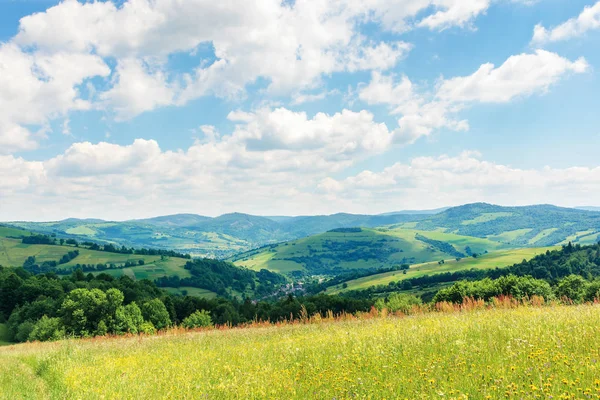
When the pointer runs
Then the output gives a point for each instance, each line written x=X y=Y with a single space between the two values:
x=218 y=237
x=413 y=212
x=176 y=220
x=229 y=234
x=588 y=208
x=539 y=225
x=343 y=249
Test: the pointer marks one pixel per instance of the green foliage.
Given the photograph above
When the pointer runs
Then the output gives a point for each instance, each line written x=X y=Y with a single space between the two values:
x=128 y=319
x=515 y=286
x=572 y=287
x=47 y=329
x=155 y=312
x=399 y=302
x=222 y=277
x=199 y=319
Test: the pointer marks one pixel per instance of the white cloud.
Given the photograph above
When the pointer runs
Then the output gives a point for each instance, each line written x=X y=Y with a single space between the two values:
x=454 y=13
x=137 y=90
x=36 y=87
x=588 y=20
x=520 y=75
x=437 y=181
x=422 y=112
x=303 y=41
x=141 y=180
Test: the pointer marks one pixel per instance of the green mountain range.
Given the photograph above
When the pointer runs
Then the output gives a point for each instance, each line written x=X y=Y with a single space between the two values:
x=230 y=234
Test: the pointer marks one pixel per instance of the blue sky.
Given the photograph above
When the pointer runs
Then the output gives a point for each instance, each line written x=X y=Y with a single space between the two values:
x=134 y=109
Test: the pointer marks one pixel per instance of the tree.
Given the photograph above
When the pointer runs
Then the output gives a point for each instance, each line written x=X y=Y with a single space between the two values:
x=128 y=319
x=199 y=319
x=156 y=312
x=572 y=287
x=83 y=310
x=47 y=329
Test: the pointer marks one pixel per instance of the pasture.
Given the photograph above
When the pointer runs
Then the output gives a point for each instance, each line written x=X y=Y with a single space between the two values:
x=501 y=258
x=525 y=352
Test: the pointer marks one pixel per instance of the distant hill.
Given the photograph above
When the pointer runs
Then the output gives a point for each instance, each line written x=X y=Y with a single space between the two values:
x=343 y=249
x=539 y=225
x=588 y=208
x=229 y=234
x=218 y=237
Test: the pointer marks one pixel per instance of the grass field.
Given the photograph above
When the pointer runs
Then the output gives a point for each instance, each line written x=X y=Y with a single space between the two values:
x=501 y=258
x=13 y=253
x=154 y=269
x=523 y=353
x=333 y=248
x=192 y=291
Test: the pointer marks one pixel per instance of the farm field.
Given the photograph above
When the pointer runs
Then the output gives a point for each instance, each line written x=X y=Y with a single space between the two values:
x=192 y=291
x=153 y=269
x=527 y=352
x=501 y=258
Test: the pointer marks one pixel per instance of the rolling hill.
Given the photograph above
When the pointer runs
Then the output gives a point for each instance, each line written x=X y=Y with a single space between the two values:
x=218 y=237
x=343 y=249
x=499 y=258
x=541 y=225
x=230 y=234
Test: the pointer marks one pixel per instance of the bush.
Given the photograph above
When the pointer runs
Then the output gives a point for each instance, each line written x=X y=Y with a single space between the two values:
x=24 y=331
x=47 y=329
x=147 y=328
x=399 y=302
x=156 y=312
x=572 y=287
x=199 y=319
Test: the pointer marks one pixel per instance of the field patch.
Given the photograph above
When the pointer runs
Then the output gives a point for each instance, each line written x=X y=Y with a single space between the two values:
x=191 y=291
x=486 y=217
x=541 y=235
x=495 y=259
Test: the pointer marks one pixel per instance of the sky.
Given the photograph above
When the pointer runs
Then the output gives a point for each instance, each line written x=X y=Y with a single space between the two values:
x=137 y=108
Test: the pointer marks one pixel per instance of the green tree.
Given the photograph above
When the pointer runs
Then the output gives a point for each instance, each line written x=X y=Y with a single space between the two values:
x=47 y=329
x=156 y=312
x=128 y=319
x=572 y=287
x=83 y=310
x=199 y=319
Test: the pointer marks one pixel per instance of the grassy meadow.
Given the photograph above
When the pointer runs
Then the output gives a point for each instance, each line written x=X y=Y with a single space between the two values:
x=519 y=353
x=500 y=258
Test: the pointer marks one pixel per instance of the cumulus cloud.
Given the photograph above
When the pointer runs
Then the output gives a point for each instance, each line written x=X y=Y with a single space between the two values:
x=435 y=181
x=422 y=112
x=588 y=20
x=36 y=87
x=520 y=75
x=146 y=180
x=303 y=41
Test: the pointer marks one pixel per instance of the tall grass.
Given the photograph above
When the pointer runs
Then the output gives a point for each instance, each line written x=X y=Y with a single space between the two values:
x=472 y=350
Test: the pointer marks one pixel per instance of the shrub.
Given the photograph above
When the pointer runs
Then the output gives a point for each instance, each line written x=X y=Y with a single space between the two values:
x=199 y=319
x=399 y=302
x=47 y=329
x=156 y=312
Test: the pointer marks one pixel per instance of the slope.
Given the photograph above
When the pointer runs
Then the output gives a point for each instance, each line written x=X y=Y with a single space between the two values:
x=346 y=249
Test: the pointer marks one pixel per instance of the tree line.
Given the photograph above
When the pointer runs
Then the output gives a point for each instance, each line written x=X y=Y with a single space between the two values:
x=108 y=247
x=49 y=307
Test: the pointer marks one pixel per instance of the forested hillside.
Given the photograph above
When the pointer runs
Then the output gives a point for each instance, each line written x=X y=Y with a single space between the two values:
x=226 y=235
